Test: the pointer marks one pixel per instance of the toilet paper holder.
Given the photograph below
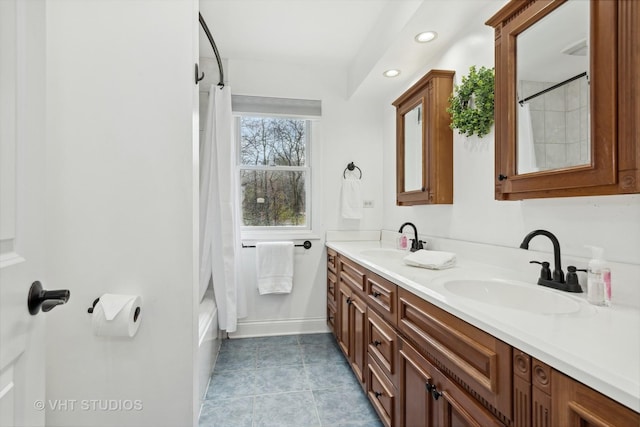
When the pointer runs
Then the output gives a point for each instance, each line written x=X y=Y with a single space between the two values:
x=136 y=313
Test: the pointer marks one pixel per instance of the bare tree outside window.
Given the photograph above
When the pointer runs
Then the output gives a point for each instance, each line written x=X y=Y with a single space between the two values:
x=273 y=170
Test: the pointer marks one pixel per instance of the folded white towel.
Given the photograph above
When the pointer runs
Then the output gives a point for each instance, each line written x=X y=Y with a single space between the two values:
x=351 y=199
x=274 y=267
x=434 y=260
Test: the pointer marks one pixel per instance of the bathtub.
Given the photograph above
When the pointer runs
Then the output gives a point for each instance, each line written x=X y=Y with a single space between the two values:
x=208 y=343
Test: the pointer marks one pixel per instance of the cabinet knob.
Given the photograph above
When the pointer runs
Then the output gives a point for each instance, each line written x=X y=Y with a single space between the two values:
x=376 y=343
x=502 y=177
x=349 y=300
x=376 y=294
x=377 y=394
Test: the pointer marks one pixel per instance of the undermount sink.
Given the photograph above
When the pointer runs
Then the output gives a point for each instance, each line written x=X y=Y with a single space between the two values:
x=514 y=296
x=384 y=253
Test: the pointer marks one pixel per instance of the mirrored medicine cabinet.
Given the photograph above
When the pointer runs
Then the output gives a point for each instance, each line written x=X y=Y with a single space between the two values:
x=567 y=107
x=424 y=142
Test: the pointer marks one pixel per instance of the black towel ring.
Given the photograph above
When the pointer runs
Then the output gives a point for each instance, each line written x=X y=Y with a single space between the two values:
x=351 y=167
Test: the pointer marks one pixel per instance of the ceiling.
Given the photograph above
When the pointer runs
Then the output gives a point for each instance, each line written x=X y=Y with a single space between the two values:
x=361 y=38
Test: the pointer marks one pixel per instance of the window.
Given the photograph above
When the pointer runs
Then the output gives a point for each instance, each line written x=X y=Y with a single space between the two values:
x=274 y=162
x=274 y=171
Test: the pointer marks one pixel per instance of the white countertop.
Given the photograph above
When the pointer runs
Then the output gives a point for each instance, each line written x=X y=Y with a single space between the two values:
x=598 y=346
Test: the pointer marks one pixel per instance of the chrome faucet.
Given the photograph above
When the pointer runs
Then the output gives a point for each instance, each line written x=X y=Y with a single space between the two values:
x=416 y=243
x=557 y=282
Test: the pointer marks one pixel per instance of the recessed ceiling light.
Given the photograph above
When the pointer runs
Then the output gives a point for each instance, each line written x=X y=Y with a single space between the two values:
x=426 y=36
x=391 y=73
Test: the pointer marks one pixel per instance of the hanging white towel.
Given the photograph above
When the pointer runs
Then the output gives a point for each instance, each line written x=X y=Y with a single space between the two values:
x=351 y=198
x=274 y=267
x=434 y=260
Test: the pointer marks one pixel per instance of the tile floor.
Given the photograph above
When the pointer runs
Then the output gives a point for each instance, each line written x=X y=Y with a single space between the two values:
x=294 y=380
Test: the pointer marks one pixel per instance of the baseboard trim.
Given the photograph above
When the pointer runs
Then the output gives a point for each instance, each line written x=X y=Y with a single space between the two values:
x=265 y=328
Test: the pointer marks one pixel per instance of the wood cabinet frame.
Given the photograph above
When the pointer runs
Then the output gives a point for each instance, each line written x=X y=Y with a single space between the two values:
x=433 y=92
x=615 y=104
x=479 y=379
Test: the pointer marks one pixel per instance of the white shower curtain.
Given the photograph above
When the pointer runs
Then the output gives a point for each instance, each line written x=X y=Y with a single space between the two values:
x=526 y=150
x=219 y=234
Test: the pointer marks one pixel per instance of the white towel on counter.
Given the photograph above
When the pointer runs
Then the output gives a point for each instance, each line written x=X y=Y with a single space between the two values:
x=274 y=267
x=434 y=260
x=351 y=198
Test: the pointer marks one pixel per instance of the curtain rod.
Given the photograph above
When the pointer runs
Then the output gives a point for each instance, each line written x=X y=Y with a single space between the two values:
x=215 y=48
x=306 y=245
x=542 y=92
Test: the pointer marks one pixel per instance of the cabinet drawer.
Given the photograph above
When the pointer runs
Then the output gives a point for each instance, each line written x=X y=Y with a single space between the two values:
x=351 y=273
x=381 y=393
x=383 y=343
x=332 y=260
x=477 y=361
x=332 y=283
x=331 y=317
x=382 y=296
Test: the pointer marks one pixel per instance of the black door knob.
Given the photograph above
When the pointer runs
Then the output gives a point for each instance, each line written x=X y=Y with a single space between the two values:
x=47 y=300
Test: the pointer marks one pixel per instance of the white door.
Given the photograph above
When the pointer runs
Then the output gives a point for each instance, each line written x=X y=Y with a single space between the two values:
x=22 y=121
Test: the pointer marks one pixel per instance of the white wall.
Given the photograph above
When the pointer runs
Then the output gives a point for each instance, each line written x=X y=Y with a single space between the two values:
x=363 y=131
x=122 y=206
x=348 y=131
x=612 y=222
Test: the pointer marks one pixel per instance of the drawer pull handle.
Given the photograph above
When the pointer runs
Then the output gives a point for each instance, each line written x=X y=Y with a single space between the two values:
x=376 y=294
x=434 y=391
x=376 y=343
x=377 y=394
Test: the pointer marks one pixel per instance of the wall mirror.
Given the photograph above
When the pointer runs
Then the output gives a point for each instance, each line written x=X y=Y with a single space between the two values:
x=552 y=92
x=565 y=96
x=413 y=143
x=424 y=152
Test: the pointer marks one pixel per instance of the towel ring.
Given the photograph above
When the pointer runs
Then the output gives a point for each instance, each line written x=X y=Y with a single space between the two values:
x=351 y=166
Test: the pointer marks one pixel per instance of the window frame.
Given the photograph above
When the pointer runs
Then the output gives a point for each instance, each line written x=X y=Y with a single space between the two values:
x=258 y=232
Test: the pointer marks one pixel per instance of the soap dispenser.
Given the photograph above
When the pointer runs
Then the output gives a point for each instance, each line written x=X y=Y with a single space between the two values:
x=596 y=274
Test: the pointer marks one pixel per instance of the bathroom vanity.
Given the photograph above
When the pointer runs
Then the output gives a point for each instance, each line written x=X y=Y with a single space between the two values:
x=424 y=359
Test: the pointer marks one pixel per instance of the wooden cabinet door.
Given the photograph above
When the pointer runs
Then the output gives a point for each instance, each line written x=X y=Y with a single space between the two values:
x=455 y=408
x=576 y=405
x=415 y=404
x=475 y=359
x=343 y=313
x=358 y=314
x=429 y=399
x=352 y=338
